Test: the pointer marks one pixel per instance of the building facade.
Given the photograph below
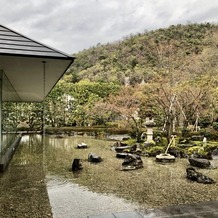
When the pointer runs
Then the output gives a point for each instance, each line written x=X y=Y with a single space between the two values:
x=28 y=72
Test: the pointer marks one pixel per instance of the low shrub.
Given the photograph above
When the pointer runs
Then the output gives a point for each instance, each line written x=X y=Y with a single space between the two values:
x=186 y=132
x=209 y=147
x=154 y=150
x=197 y=150
x=215 y=126
x=209 y=133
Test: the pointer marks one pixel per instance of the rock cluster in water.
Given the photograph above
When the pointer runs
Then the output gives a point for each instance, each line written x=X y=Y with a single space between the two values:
x=196 y=176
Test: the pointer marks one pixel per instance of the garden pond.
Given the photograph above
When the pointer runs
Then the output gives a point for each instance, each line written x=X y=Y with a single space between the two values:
x=154 y=185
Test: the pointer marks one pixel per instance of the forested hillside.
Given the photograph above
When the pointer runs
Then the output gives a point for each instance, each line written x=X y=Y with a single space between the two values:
x=137 y=57
x=171 y=73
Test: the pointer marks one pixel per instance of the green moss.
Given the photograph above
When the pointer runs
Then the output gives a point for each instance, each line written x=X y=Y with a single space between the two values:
x=154 y=150
x=130 y=142
x=197 y=143
x=197 y=150
x=210 y=146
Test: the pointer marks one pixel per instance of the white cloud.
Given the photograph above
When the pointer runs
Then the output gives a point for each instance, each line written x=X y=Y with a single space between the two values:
x=72 y=26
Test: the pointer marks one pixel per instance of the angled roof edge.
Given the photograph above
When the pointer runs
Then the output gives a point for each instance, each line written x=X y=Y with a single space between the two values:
x=58 y=54
x=71 y=58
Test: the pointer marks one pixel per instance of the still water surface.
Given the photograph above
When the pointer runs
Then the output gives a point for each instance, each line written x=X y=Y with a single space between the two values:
x=102 y=188
x=71 y=200
x=69 y=197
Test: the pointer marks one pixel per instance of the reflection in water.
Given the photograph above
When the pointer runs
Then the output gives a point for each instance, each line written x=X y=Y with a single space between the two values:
x=6 y=140
x=155 y=185
x=23 y=189
x=32 y=152
x=70 y=200
x=67 y=198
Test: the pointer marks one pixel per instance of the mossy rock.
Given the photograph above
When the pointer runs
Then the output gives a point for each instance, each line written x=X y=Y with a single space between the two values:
x=154 y=150
x=177 y=151
x=209 y=147
x=198 y=150
x=129 y=141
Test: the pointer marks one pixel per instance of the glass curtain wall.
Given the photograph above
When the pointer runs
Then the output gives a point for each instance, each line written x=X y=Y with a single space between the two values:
x=7 y=113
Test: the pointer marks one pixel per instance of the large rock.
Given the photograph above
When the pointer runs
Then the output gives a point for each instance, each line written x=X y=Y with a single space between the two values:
x=82 y=146
x=193 y=175
x=214 y=154
x=199 y=162
x=176 y=152
x=122 y=148
x=76 y=165
x=122 y=155
x=94 y=158
x=132 y=162
x=126 y=148
x=119 y=143
x=165 y=158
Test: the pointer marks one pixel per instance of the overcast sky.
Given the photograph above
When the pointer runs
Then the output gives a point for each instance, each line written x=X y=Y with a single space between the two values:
x=74 y=25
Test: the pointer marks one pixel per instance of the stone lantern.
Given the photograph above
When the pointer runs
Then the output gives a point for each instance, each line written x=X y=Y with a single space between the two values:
x=149 y=124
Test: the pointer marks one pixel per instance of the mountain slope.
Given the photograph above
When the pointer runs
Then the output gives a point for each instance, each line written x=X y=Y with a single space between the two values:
x=137 y=57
